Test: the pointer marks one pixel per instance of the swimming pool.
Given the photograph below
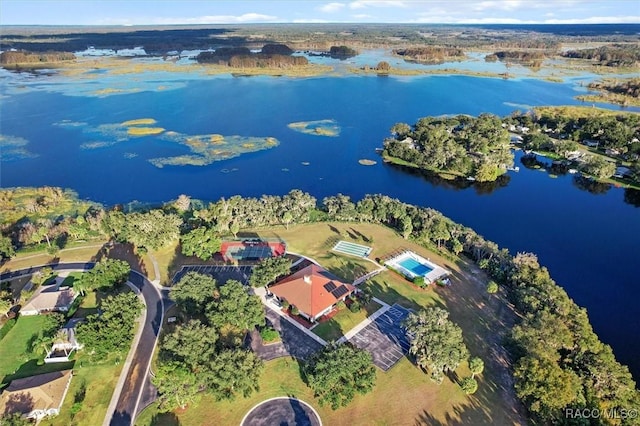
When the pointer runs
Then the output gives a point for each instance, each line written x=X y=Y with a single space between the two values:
x=414 y=266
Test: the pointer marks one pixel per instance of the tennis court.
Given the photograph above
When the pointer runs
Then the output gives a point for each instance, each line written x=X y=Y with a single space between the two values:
x=253 y=249
x=352 y=249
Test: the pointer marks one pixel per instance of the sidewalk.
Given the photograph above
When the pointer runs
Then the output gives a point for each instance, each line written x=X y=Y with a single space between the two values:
x=355 y=330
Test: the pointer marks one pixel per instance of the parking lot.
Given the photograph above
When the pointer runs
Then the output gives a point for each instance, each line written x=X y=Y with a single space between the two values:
x=221 y=273
x=384 y=338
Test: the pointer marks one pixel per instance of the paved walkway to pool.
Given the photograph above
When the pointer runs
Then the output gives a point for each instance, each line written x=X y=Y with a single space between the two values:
x=355 y=330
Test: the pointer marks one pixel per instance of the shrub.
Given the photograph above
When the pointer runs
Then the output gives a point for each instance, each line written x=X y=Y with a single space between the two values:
x=492 y=287
x=285 y=305
x=42 y=276
x=294 y=310
x=75 y=409
x=355 y=306
x=365 y=297
x=269 y=334
x=420 y=281
x=469 y=385
x=341 y=304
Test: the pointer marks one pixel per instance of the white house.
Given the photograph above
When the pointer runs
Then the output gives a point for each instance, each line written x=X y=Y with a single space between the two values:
x=49 y=300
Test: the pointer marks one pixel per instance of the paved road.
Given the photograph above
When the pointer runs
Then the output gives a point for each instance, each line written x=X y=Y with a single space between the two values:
x=137 y=386
x=137 y=381
x=282 y=411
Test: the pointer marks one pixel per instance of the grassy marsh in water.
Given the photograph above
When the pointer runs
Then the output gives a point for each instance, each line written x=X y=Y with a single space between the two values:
x=327 y=127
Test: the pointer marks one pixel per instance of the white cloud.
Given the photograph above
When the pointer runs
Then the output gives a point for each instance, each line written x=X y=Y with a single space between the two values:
x=207 y=19
x=498 y=5
x=331 y=7
x=363 y=16
x=448 y=19
x=361 y=4
x=311 y=21
x=596 y=20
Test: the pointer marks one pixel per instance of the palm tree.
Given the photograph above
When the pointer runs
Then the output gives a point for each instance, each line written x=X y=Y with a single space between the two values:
x=40 y=345
x=5 y=307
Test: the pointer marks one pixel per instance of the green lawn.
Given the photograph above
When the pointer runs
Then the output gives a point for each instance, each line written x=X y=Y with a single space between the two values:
x=396 y=400
x=343 y=321
x=393 y=288
x=99 y=380
x=17 y=362
x=88 y=306
x=71 y=278
x=404 y=394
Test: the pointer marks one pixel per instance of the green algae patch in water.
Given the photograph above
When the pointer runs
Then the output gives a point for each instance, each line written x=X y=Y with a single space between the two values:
x=366 y=162
x=327 y=127
x=13 y=148
x=207 y=149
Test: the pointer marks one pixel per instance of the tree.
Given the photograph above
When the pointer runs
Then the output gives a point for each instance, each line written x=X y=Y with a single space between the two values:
x=183 y=203
x=193 y=292
x=383 y=66
x=152 y=230
x=14 y=419
x=545 y=387
x=476 y=365
x=201 y=242
x=598 y=167
x=6 y=248
x=492 y=287
x=105 y=275
x=41 y=342
x=401 y=130
x=439 y=231
x=233 y=305
x=469 y=385
x=287 y=217
x=436 y=342
x=339 y=372
x=268 y=270
x=5 y=306
x=407 y=227
x=233 y=372
x=193 y=343
x=112 y=330
x=234 y=228
x=177 y=385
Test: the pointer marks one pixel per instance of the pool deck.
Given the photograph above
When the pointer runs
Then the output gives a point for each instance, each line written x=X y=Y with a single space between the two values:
x=436 y=272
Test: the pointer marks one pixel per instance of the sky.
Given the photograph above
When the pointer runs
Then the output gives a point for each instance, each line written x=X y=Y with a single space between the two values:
x=161 y=12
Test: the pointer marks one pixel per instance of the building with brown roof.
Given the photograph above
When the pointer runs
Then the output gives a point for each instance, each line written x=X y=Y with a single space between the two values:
x=37 y=396
x=313 y=290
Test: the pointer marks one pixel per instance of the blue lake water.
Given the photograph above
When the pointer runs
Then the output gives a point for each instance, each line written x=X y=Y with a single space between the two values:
x=589 y=242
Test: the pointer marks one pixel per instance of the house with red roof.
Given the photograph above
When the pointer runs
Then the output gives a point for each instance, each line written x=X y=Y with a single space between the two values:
x=313 y=290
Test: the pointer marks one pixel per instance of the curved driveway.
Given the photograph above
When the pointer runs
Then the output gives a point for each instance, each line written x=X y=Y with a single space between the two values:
x=137 y=385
